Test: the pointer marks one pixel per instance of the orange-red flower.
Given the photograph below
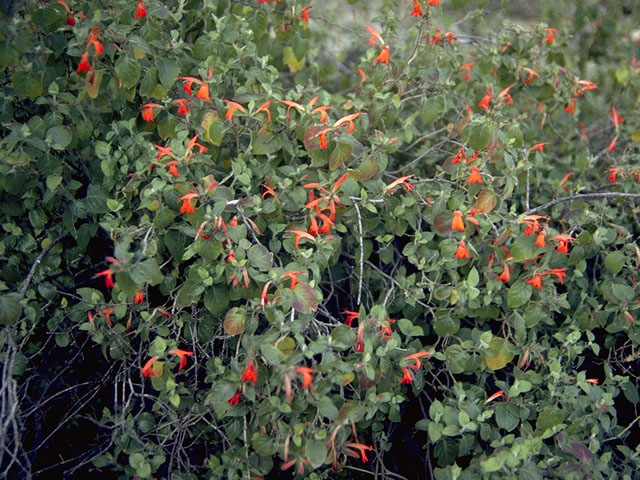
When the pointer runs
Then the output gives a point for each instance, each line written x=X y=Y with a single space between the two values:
x=612 y=145
x=374 y=35
x=93 y=41
x=539 y=147
x=532 y=74
x=498 y=394
x=313 y=228
x=435 y=3
x=322 y=134
x=435 y=40
x=417 y=9
x=407 y=376
x=173 y=168
x=459 y=156
x=249 y=374
x=147 y=111
x=613 y=172
x=84 y=65
x=486 y=100
x=505 y=96
x=571 y=107
x=265 y=108
x=268 y=191
x=475 y=176
x=531 y=221
x=361 y=448
x=563 y=243
x=203 y=92
x=71 y=21
x=461 y=251
x=351 y=316
x=560 y=273
x=347 y=119
x=108 y=277
x=457 y=223
x=450 y=37
x=322 y=110
x=233 y=106
x=235 y=398
x=147 y=370
x=540 y=239
x=467 y=70
x=383 y=56
x=183 y=354
x=549 y=38
x=141 y=11
x=415 y=357
x=536 y=281
x=139 y=297
x=400 y=181
x=106 y=313
x=187 y=206
x=299 y=235
x=306 y=372
x=183 y=107
x=304 y=15
x=617 y=119
x=505 y=276
x=293 y=275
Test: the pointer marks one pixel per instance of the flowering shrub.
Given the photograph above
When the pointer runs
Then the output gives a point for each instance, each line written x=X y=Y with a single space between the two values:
x=247 y=238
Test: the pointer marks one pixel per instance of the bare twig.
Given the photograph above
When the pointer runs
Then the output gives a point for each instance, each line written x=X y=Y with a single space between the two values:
x=36 y=264
x=360 y=234
x=582 y=196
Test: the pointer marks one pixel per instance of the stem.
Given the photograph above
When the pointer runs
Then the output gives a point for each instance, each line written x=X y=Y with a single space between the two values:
x=582 y=196
x=34 y=267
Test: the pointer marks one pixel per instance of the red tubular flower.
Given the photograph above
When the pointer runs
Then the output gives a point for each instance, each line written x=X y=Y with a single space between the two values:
x=139 y=298
x=504 y=276
x=233 y=106
x=417 y=9
x=147 y=111
x=374 y=36
x=306 y=372
x=313 y=229
x=536 y=281
x=457 y=223
x=435 y=3
x=361 y=448
x=327 y=223
x=450 y=37
x=323 y=112
x=549 y=38
x=84 y=65
x=268 y=191
x=505 y=96
x=304 y=15
x=532 y=74
x=238 y=395
x=571 y=108
x=539 y=147
x=563 y=243
x=141 y=11
x=265 y=108
x=532 y=223
x=347 y=119
x=560 y=273
x=93 y=41
x=351 y=316
x=71 y=21
x=106 y=313
x=400 y=181
x=249 y=374
x=183 y=354
x=293 y=276
x=613 y=172
x=383 y=56
x=108 y=277
x=183 y=107
x=339 y=182
x=617 y=119
x=498 y=394
x=323 y=138
x=147 y=369
x=475 y=176
x=300 y=234
x=407 y=376
x=461 y=251
x=172 y=168
x=459 y=156
x=540 y=239
x=415 y=357
x=435 y=40
x=612 y=145
x=467 y=70
x=486 y=100
x=203 y=92
x=187 y=206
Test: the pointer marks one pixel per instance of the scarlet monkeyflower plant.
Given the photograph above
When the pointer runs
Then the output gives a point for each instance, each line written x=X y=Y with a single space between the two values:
x=297 y=239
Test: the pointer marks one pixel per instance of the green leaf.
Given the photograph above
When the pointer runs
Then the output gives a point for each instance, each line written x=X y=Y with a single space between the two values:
x=499 y=354
x=327 y=408
x=479 y=136
x=8 y=55
x=524 y=248
x=234 y=321
x=260 y=258
x=59 y=137
x=168 y=71
x=53 y=181
x=432 y=109
x=92 y=83
x=549 y=418
x=263 y=142
x=614 y=262
x=136 y=460
x=128 y=70
x=273 y=355
x=146 y=422
x=95 y=202
x=315 y=451
x=458 y=358
x=10 y=308
x=146 y=272
x=216 y=300
x=290 y=60
x=27 y=84
x=519 y=294
x=446 y=451
x=446 y=324
x=305 y=299
x=340 y=154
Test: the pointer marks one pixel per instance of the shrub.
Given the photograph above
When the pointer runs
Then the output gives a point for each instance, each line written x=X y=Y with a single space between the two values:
x=240 y=239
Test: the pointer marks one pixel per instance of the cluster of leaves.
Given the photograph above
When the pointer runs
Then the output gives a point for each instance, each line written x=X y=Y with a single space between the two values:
x=266 y=250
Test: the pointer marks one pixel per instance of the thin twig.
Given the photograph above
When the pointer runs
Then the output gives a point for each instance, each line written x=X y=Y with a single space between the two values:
x=355 y=204
x=34 y=267
x=582 y=196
